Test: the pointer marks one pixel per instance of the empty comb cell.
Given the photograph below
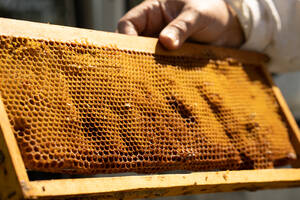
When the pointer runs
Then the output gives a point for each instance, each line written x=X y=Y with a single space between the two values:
x=87 y=109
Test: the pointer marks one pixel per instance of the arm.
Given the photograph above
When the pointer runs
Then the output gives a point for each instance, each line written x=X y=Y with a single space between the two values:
x=272 y=27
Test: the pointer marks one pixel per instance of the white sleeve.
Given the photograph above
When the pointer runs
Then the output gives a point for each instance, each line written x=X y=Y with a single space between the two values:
x=272 y=27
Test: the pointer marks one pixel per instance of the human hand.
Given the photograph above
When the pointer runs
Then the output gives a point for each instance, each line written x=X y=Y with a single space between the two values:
x=175 y=21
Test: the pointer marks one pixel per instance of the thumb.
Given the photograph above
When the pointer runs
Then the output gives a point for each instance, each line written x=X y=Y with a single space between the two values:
x=181 y=28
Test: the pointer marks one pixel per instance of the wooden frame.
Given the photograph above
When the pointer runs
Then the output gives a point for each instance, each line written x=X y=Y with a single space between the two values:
x=14 y=181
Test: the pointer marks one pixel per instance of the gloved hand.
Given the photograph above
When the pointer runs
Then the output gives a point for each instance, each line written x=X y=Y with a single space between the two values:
x=175 y=21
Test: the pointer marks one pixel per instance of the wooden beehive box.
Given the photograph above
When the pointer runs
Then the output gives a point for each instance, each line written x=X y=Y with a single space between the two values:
x=15 y=183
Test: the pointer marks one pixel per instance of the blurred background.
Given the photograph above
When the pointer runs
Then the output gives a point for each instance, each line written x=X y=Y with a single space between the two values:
x=104 y=15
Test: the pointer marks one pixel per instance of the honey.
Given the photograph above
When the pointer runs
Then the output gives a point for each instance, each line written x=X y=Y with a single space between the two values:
x=84 y=109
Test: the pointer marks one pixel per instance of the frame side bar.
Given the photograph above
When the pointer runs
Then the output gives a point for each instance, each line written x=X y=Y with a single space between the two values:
x=13 y=175
x=295 y=135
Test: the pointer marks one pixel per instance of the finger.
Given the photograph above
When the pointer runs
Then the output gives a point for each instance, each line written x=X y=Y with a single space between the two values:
x=133 y=22
x=145 y=19
x=127 y=27
x=178 y=30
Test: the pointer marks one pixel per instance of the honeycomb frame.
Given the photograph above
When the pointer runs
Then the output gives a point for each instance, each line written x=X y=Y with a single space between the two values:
x=33 y=189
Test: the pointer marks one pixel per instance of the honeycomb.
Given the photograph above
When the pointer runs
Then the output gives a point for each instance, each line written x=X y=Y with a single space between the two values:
x=86 y=109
